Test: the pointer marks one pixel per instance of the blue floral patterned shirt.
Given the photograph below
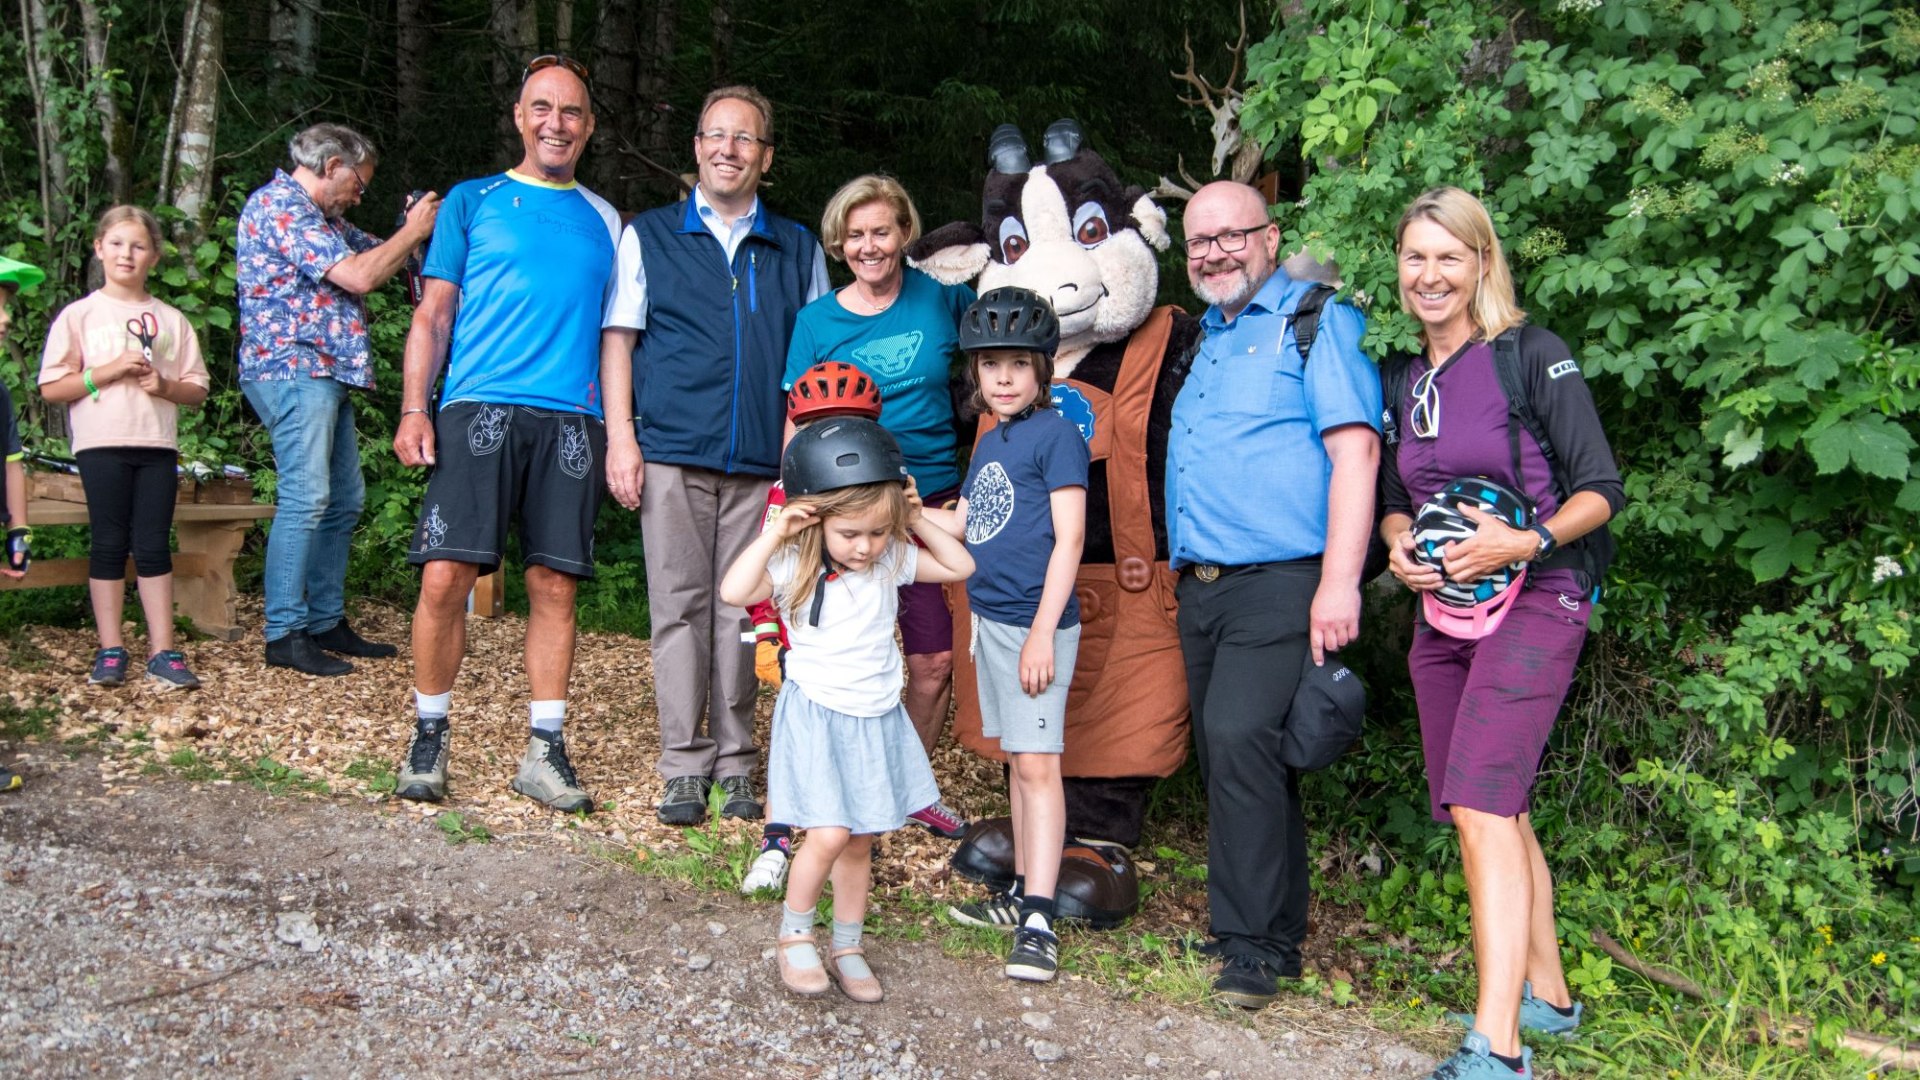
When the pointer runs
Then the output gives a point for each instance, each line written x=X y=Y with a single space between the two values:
x=293 y=321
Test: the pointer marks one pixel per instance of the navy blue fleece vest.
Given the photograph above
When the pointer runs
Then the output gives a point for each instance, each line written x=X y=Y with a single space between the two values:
x=707 y=368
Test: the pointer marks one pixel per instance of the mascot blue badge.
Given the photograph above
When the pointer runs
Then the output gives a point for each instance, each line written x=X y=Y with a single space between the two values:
x=1074 y=405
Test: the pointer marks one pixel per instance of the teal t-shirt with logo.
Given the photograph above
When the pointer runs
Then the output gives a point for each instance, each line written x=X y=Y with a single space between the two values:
x=906 y=350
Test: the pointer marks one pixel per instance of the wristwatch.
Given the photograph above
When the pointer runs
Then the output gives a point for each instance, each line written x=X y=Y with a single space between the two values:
x=1547 y=542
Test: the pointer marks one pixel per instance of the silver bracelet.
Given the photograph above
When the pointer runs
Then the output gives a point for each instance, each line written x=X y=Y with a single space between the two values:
x=404 y=413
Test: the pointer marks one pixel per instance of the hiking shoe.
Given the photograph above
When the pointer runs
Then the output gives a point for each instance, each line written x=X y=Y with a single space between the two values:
x=9 y=780
x=423 y=776
x=1246 y=981
x=546 y=776
x=340 y=638
x=742 y=802
x=997 y=912
x=169 y=669
x=109 y=667
x=1474 y=1061
x=1536 y=1015
x=940 y=820
x=1035 y=956
x=685 y=802
x=769 y=871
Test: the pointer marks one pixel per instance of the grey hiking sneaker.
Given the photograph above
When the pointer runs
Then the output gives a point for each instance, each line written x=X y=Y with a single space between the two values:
x=546 y=776
x=742 y=801
x=686 y=801
x=423 y=776
x=997 y=912
x=169 y=669
x=109 y=667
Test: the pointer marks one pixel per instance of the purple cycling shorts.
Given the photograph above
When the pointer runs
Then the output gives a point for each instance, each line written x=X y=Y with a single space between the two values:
x=1487 y=706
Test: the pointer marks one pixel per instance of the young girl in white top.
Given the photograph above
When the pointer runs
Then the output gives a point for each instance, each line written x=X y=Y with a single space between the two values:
x=123 y=363
x=845 y=763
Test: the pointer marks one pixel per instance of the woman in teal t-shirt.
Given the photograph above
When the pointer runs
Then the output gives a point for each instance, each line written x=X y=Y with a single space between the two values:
x=900 y=327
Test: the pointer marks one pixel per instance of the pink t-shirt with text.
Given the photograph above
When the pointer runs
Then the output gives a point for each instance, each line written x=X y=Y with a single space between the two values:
x=93 y=331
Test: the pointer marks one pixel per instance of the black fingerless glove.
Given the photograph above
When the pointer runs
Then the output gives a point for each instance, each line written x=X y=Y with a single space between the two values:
x=19 y=548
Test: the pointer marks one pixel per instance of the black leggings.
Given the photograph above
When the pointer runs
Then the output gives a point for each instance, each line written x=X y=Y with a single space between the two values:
x=130 y=493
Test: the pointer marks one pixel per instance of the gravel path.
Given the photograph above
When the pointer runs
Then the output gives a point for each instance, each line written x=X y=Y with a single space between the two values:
x=160 y=928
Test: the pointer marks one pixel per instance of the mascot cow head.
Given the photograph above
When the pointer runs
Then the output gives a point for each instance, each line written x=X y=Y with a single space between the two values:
x=1066 y=228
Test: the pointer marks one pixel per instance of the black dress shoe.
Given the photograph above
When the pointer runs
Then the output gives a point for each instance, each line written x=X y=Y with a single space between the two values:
x=340 y=638
x=299 y=652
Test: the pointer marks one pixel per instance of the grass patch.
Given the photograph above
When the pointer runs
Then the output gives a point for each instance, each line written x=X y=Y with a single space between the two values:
x=19 y=723
x=376 y=774
x=458 y=828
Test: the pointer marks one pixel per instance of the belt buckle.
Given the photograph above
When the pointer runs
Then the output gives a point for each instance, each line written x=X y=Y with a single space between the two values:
x=1207 y=572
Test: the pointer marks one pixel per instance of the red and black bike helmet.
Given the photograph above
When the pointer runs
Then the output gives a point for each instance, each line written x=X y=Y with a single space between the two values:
x=834 y=388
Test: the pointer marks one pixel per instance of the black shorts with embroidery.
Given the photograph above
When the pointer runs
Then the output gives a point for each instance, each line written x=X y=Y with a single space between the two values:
x=498 y=463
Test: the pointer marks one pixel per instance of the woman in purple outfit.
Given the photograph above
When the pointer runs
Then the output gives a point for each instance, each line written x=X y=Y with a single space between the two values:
x=1487 y=703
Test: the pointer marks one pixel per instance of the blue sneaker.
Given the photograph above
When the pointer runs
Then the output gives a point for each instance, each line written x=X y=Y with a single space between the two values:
x=109 y=667
x=1536 y=1016
x=1474 y=1061
x=169 y=670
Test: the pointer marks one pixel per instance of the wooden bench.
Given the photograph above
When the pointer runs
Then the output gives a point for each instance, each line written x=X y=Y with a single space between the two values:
x=210 y=537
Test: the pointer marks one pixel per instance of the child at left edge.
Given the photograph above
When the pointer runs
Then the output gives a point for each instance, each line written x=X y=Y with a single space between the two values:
x=845 y=764
x=123 y=362
x=15 y=277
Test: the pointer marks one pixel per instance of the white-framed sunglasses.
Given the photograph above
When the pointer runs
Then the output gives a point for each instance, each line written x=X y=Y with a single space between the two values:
x=1424 y=418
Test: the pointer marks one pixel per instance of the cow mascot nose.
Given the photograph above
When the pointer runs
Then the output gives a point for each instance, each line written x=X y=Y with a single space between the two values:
x=1067 y=228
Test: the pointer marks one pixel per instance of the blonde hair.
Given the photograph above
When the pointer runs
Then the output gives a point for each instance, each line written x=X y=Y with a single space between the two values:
x=120 y=215
x=1494 y=309
x=810 y=547
x=858 y=192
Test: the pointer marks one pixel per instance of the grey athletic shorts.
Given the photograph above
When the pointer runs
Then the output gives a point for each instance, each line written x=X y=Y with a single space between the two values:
x=1024 y=725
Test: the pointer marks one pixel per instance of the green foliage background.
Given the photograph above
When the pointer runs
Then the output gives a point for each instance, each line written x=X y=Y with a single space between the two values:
x=1715 y=201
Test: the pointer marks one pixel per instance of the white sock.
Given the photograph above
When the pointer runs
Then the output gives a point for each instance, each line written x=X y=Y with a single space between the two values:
x=547 y=715
x=432 y=705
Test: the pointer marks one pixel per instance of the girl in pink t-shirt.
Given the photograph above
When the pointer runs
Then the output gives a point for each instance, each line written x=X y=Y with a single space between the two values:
x=124 y=363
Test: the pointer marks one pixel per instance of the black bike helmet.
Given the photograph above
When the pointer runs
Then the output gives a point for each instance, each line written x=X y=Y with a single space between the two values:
x=839 y=453
x=1010 y=318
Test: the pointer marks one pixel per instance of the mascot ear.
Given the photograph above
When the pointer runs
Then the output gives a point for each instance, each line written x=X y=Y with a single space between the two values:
x=955 y=254
x=1152 y=221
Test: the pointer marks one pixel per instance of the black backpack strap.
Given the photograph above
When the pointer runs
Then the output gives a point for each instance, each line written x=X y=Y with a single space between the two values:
x=1393 y=390
x=1305 y=319
x=1590 y=554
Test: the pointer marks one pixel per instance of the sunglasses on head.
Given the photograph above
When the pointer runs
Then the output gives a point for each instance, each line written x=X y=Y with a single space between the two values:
x=560 y=60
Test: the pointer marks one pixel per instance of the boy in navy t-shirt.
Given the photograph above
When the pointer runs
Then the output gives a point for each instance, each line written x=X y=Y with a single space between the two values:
x=1023 y=511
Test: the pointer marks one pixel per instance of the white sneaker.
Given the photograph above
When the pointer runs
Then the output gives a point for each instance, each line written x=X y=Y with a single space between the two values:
x=769 y=871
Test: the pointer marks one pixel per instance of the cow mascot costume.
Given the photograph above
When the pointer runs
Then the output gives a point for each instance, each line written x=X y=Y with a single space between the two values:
x=1068 y=229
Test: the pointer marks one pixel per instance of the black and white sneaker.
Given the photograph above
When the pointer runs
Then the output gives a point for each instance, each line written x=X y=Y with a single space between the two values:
x=997 y=912
x=1035 y=956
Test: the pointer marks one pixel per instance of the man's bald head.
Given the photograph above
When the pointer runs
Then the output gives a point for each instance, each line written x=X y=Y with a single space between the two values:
x=555 y=118
x=1230 y=196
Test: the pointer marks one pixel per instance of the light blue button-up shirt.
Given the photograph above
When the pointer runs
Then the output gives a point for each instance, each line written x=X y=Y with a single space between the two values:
x=1247 y=471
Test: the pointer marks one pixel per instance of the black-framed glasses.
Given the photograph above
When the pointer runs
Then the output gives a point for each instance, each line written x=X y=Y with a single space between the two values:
x=560 y=60
x=359 y=181
x=1232 y=242
x=742 y=141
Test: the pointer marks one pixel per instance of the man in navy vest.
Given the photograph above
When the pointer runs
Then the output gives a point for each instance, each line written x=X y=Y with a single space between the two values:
x=692 y=350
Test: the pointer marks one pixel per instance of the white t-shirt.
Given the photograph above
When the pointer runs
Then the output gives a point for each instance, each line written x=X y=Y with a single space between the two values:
x=850 y=663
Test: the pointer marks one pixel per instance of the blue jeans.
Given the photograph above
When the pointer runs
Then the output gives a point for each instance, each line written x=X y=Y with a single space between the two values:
x=320 y=495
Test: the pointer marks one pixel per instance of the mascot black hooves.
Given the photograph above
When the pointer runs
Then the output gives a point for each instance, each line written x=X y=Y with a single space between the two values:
x=986 y=855
x=1099 y=885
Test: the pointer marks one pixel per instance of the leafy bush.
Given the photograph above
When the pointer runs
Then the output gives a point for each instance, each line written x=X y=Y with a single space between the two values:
x=1716 y=204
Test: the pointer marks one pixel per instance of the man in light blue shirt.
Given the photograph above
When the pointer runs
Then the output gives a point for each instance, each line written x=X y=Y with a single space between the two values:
x=1270 y=474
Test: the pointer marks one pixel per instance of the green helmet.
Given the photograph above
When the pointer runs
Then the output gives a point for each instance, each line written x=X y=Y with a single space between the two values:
x=22 y=276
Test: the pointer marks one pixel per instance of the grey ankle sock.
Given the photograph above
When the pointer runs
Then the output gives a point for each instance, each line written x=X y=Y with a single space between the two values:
x=846 y=935
x=795 y=922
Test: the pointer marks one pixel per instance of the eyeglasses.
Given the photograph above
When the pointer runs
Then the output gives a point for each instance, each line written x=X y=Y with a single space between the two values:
x=743 y=141
x=1231 y=241
x=360 y=183
x=1424 y=418
x=562 y=60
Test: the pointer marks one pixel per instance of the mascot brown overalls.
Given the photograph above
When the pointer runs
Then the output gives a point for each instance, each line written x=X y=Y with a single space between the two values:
x=1068 y=229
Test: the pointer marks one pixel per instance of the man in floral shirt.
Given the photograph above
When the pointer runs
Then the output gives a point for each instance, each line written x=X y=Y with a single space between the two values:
x=303 y=346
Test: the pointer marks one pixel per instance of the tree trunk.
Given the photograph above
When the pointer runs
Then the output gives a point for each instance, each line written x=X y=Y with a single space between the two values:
x=189 y=30
x=722 y=13
x=200 y=119
x=515 y=28
x=563 y=26
x=113 y=130
x=615 y=109
x=660 y=130
x=410 y=80
x=290 y=27
x=56 y=196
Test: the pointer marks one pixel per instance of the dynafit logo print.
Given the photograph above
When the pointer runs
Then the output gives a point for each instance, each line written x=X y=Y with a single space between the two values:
x=1074 y=405
x=890 y=357
x=989 y=503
